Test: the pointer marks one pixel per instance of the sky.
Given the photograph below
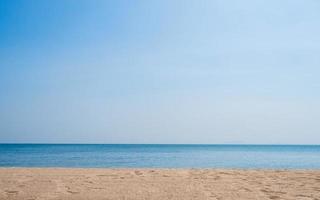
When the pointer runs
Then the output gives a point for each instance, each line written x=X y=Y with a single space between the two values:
x=160 y=71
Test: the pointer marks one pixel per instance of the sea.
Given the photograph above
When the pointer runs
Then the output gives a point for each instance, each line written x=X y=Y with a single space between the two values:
x=160 y=156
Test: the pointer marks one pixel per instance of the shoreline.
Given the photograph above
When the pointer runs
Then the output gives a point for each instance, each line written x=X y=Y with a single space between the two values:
x=164 y=168
x=158 y=183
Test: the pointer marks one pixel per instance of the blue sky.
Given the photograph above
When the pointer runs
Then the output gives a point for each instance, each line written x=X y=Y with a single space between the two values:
x=160 y=71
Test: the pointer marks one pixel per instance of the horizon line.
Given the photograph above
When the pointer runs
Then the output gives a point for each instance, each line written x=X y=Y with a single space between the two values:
x=200 y=144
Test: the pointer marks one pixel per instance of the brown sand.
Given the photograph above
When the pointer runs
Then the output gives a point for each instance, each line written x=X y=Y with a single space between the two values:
x=148 y=184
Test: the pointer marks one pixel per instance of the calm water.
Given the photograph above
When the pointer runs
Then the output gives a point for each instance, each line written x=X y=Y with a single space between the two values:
x=160 y=156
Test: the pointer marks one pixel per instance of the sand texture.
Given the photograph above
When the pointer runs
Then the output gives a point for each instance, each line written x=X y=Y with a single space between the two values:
x=149 y=184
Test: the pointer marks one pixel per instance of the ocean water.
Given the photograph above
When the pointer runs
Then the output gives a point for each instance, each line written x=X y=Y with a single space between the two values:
x=160 y=156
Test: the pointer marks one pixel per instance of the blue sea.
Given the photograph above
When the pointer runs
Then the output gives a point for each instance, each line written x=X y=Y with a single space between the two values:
x=160 y=156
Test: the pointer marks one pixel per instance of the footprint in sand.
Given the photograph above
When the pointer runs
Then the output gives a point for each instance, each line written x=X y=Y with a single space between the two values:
x=264 y=190
x=216 y=177
x=90 y=182
x=11 y=192
x=73 y=192
x=304 y=197
x=138 y=173
x=245 y=189
x=274 y=197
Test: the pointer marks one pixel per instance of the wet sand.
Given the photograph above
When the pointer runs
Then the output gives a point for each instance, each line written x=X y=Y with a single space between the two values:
x=160 y=184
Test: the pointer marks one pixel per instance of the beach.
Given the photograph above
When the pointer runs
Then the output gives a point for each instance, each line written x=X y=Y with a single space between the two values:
x=137 y=184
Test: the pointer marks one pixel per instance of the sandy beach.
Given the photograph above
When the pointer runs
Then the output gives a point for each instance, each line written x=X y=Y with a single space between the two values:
x=52 y=183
